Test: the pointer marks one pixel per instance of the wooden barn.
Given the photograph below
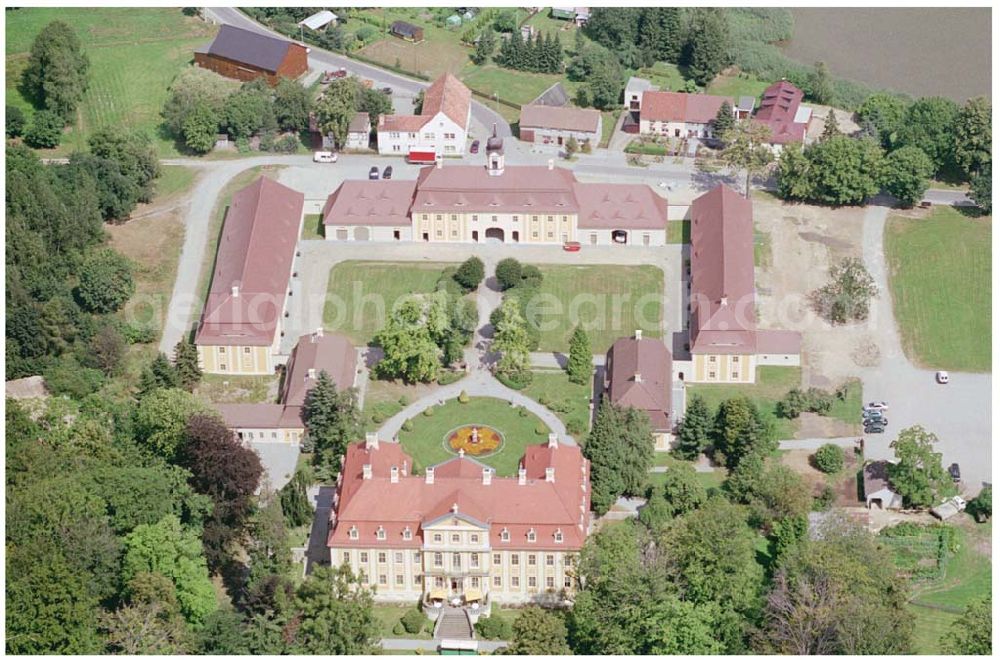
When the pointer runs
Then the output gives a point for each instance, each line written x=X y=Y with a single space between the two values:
x=407 y=31
x=245 y=55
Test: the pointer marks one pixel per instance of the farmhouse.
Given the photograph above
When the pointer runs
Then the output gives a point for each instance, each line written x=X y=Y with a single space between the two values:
x=284 y=422
x=638 y=374
x=240 y=327
x=246 y=55
x=725 y=344
x=441 y=126
x=542 y=124
x=676 y=114
x=517 y=204
x=782 y=112
x=458 y=531
x=407 y=31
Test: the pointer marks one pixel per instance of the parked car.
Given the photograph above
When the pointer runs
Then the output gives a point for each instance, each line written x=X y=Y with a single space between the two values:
x=942 y=377
x=373 y=173
x=956 y=474
x=874 y=428
x=387 y=91
x=880 y=421
x=872 y=415
x=877 y=405
x=571 y=246
x=324 y=157
x=474 y=149
x=387 y=173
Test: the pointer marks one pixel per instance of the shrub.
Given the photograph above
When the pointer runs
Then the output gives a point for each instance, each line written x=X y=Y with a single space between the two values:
x=508 y=273
x=16 y=121
x=493 y=627
x=407 y=425
x=429 y=412
x=812 y=400
x=541 y=429
x=414 y=621
x=829 y=458
x=105 y=281
x=824 y=501
x=404 y=400
x=470 y=274
x=463 y=397
x=398 y=629
x=522 y=412
x=575 y=427
x=45 y=131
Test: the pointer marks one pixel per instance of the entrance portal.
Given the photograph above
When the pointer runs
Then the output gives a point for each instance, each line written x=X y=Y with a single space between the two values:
x=494 y=234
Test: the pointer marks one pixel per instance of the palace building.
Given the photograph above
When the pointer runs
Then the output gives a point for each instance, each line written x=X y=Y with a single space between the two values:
x=458 y=532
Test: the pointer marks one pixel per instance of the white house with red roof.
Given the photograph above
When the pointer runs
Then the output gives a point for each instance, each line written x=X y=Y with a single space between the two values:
x=441 y=127
x=679 y=115
x=638 y=373
x=458 y=532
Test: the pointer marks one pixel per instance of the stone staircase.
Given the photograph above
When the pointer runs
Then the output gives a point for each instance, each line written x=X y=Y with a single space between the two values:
x=453 y=623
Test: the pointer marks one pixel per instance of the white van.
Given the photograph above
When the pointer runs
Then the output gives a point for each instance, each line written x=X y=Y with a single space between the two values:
x=324 y=157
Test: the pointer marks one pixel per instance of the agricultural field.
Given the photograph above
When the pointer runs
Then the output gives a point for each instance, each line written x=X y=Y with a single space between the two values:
x=134 y=56
x=939 y=275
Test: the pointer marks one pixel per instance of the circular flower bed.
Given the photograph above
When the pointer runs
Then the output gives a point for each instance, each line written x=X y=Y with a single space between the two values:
x=474 y=440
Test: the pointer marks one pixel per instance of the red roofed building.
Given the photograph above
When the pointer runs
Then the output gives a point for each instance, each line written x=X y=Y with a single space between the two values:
x=240 y=327
x=782 y=112
x=441 y=126
x=459 y=531
x=677 y=114
x=638 y=373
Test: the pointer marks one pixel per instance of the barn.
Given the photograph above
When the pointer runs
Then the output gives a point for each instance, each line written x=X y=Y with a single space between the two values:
x=246 y=55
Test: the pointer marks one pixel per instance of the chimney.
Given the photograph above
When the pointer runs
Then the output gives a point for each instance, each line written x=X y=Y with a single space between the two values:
x=394 y=475
x=311 y=374
x=553 y=441
x=319 y=331
x=552 y=163
x=724 y=300
x=638 y=335
x=371 y=440
x=366 y=471
x=550 y=475
x=405 y=469
x=454 y=507
x=522 y=476
x=637 y=377
x=236 y=291
x=429 y=475
x=487 y=476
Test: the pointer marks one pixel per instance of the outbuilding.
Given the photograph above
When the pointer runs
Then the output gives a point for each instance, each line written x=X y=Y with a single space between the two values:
x=320 y=20
x=543 y=124
x=407 y=31
x=247 y=55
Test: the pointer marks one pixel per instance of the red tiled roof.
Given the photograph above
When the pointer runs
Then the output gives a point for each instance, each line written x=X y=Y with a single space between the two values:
x=650 y=359
x=722 y=273
x=680 y=107
x=380 y=203
x=334 y=354
x=254 y=259
x=402 y=123
x=779 y=342
x=560 y=118
x=521 y=189
x=777 y=111
x=252 y=415
x=619 y=206
x=447 y=94
x=545 y=507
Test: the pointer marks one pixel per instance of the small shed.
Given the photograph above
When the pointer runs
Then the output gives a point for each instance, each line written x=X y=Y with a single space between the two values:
x=877 y=487
x=319 y=20
x=407 y=31
x=565 y=13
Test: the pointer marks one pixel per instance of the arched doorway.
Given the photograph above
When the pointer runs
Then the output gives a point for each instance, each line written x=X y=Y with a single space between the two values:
x=494 y=234
x=619 y=237
x=361 y=233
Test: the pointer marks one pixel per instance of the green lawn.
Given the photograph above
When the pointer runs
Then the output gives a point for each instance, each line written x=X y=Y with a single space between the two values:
x=771 y=386
x=569 y=401
x=389 y=615
x=134 y=54
x=426 y=442
x=762 y=249
x=360 y=295
x=215 y=388
x=312 y=226
x=736 y=86
x=515 y=86
x=564 y=30
x=174 y=179
x=847 y=409
x=609 y=119
x=708 y=480
x=939 y=274
x=679 y=231
x=668 y=77
x=608 y=301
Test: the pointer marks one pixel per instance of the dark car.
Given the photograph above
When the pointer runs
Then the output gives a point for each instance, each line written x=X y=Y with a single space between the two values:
x=874 y=428
x=373 y=172
x=387 y=173
x=474 y=149
x=956 y=474
x=879 y=421
x=387 y=91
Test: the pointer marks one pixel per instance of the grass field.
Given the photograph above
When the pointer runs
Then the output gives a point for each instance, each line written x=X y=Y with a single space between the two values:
x=772 y=384
x=569 y=401
x=668 y=77
x=426 y=442
x=135 y=53
x=608 y=301
x=312 y=227
x=389 y=615
x=847 y=409
x=707 y=480
x=173 y=179
x=737 y=86
x=360 y=295
x=939 y=274
x=215 y=388
x=679 y=231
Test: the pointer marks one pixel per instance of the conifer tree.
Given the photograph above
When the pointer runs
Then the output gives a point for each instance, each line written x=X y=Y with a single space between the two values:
x=186 y=365
x=580 y=365
x=693 y=435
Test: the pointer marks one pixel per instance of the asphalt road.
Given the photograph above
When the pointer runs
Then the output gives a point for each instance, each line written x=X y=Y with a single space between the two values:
x=322 y=59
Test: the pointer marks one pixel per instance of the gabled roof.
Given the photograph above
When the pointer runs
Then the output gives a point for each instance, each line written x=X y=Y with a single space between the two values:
x=619 y=206
x=252 y=266
x=722 y=273
x=680 y=107
x=447 y=94
x=652 y=362
x=334 y=354
x=372 y=203
x=319 y=19
x=523 y=189
x=554 y=96
x=779 y=110
x=558 y=118
x=635 y=84
x=404 y=28
x=360 y=123
x=259 y=50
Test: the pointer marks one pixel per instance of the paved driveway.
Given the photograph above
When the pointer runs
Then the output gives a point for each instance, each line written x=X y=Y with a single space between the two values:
x=958 y=413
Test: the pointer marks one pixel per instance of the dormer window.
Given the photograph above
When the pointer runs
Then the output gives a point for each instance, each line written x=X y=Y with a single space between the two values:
x=505 y=535
x=380 y=533
x=558 y=536
x=531 y=535
x=407 y=534
x=353 y=533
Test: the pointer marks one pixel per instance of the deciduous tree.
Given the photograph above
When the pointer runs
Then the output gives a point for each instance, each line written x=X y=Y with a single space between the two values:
x=161 y=419
x=747 y=149
x=917 y=475
x=740 y=430
x=972 y=633
x=538 y=632
x=907 y=174
x=929 y=125
x=45 y=131
x=707 y=47
x=56 y=75
x=973 y=135
x=105 y=281
x=334 y=614
x=511 y=341
x=982 y=189
x=848 y=294
x=292 y=104
x=885 y=113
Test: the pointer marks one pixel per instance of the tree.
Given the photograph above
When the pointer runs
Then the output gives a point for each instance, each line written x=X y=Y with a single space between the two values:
x=724 y=120
x=981 y=506
x=222 y=634
x=374 y=102
x=829 y=458
x=982 y=189
x=335 y=615
x=485 y=46
x=929 y=126
x=332 y=421
x=292 y=105
x=695 y=429
x=538 y=632
x=973 y=135
x=15 y=121
x=680 y=493
x=907 y=174
x=620 y=450
x=268 y=544
x=107 y=348
x=917 y=475
x=159 y=374
x=134 y=155
x=972 y=633
x=200 y=128
x=740 y=431
x=145 y=629
x=510 y=339
x=249 y=111
x=186 y=365
x=793 y=173
x=581 y=360
x=572 y=146
x=747 y=149
x=605 y=83
x=45 y=131
x=820 y=84
x=336 y=107
x=708 y=43
x=295 y=502
x=408 y=350
x=848 y=294
x=831 y=128
x=508 y=273
x=161 y=419
x=470 y=274
x=166 y=548
x=493 y=627
x=843 y=170
x=105 y=281
x=196 y=90
x=56 y=75
x=885 y=113
x=773 y=491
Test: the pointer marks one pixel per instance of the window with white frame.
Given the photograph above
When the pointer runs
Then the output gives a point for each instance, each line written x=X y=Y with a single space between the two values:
x=407 y=534
x=497 y=559
x=363 y=557
x=505 y=535
x=397 y=557
x=515 y=560
x=532 y=537
x=353 y=533
x=456 y=560
x=380 y=533
x=550 y=560
x=497 y=581
x=381 y=557
x=456 y=538
x=438 y=559
x=550 y=582
x=558 y=536
x=438 y=538
x=532 y=560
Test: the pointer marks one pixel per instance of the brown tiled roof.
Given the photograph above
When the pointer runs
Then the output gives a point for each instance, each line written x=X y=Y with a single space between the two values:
x=402 y=123
x=650 y=359
x=360 y=123
x=680 y=107
x=377 y=203
x=619 y=206
x=560 y=118
x=255 y=256
x=253 y=415
x=523 y=189
x=876 y=477
x=545 y=507
x=334 y=354
x=779 y=342
x=447 y=94
x=722 y=273
x=777 y=111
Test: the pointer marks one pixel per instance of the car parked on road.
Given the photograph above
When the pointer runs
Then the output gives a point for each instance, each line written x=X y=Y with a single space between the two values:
x=324 y=157
x=877 y=405
x=872 y=415
x=373 y=173
x=942 y=377
x=956 y=474
x=874 y=428
x=571 y=246
x=387 y=173
x=387 y=91
x=474 y=149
